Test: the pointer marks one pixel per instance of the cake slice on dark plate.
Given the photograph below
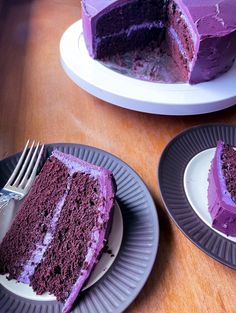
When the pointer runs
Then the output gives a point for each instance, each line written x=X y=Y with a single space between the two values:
x=200 y=34
x=61 y=228
x=222 y=189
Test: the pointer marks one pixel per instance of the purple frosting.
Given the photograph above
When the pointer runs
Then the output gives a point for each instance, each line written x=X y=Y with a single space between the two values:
x=214 y=23
x=220 y=204
x=211 y=17
x=213 y=26
x=93 y=7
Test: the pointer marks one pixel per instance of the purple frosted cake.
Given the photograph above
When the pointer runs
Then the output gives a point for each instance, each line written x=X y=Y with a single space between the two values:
x=61 y=228
x=200 y=34
x=222 y=189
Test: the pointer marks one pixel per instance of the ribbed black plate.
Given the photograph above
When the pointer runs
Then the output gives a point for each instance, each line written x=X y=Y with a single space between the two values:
x=174 y=160
x=126 y=277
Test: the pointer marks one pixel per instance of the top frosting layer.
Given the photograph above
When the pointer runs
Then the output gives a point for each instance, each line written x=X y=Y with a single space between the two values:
x=103 y=175
x=211 y=17
x=94 y=7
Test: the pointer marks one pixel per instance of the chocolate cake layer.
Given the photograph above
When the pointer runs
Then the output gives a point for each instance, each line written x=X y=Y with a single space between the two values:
x=222 y=189
x=179 y=25
x=130 y=13
x=229 y=169
x=137 y=38
x=175 y=48
x=32 y=223
x=179 y=40
x=64 y=258
x=61 y=228
x=121 y=26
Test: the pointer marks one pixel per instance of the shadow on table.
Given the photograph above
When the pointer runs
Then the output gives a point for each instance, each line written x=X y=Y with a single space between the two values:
x=155 y=280
x=223 y=116
x=14 y=33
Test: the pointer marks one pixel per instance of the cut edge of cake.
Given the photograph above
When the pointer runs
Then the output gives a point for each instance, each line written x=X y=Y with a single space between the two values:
x=95 y=17
x=98 y=237
x=221 y=206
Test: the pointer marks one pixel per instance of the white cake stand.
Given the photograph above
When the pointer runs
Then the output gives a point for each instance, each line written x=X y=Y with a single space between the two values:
x=138 y=95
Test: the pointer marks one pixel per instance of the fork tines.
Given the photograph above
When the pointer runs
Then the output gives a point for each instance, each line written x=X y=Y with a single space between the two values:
x=26 y=168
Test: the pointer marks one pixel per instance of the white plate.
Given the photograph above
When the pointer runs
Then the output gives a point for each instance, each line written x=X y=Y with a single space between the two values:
x=138 y=95
x=196 y=186
x=105 y=262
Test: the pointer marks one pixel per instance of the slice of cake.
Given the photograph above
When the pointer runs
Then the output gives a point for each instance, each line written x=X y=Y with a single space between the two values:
x=61 y=228
x=222 y=189
x=200 y=34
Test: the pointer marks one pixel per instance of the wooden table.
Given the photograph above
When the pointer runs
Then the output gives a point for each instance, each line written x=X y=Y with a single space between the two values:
x=38 y=100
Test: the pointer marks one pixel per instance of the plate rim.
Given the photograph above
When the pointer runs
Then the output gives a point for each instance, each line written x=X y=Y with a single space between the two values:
x=152 y=211
x=141 y=104
x=169 y=210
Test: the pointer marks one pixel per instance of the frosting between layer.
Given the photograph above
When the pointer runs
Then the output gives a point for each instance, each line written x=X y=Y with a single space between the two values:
x=127 y=32
x=37 y=254
x=175 y=36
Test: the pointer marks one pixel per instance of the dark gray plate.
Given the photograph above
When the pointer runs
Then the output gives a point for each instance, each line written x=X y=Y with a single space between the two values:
x=173 y=163
x=129 y=272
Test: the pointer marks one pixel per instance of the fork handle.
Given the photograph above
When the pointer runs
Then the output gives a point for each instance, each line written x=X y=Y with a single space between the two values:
x=5 y=199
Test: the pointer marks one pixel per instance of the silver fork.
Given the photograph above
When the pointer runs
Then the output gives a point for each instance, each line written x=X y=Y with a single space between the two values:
x=23 y=175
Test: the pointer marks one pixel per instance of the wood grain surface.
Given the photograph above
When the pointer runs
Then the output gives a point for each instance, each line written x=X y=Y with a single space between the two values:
x=38 y=100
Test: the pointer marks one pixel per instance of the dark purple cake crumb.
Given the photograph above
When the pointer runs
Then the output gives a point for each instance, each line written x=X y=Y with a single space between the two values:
x=106 y=249
x=229 y=169
x=152 y=63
